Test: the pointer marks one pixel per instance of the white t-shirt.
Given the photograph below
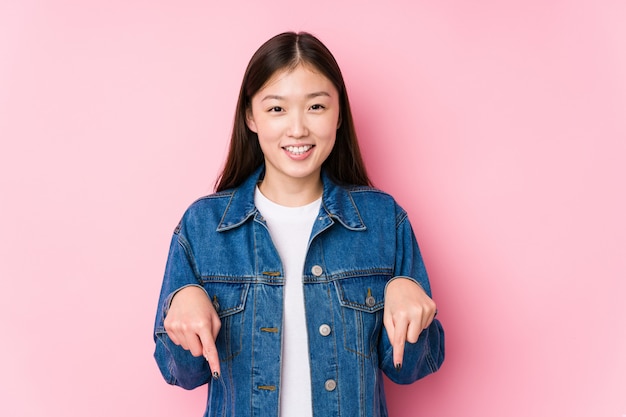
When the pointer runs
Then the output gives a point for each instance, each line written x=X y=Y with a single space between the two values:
x=290 y=229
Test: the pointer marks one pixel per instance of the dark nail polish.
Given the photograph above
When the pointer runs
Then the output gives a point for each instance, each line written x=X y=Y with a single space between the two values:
x=398 y=366
x=216 y=375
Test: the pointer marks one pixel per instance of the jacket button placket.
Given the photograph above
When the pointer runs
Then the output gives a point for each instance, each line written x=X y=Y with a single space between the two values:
x=266 y=342
x=323 y=352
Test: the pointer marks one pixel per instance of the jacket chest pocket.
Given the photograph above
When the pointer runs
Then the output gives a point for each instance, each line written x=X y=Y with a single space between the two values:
x=362 y=300
x=229 y=300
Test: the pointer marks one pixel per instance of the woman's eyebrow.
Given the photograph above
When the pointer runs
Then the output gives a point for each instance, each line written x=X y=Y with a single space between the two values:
x=317 y=94
x=272 y=97
x=308 y=96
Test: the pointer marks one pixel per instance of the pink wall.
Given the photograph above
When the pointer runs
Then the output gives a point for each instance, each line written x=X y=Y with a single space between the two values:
x=499 y=126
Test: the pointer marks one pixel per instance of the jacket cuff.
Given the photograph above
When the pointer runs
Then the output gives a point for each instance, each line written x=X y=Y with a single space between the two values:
x=178 y=366
x=420 y=359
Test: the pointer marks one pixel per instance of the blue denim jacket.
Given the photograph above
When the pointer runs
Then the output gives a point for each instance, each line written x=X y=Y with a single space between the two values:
x=360 y=241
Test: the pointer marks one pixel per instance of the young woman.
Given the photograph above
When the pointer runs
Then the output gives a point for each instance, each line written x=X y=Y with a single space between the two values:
x=297 y=284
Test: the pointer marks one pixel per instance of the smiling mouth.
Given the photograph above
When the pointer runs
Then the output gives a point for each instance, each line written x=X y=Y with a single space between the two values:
x=298 y=150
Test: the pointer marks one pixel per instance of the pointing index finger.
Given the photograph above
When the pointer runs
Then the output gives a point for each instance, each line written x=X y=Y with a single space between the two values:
x=397 y=342
x=209 y=351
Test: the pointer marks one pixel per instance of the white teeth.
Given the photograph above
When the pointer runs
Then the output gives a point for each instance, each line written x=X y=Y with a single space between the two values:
x=298 y=150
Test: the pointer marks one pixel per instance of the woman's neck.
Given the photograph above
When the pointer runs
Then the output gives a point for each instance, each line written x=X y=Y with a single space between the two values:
x=295 y=192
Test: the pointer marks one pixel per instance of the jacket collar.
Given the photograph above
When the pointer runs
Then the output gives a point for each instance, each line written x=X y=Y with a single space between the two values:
x=337 y=203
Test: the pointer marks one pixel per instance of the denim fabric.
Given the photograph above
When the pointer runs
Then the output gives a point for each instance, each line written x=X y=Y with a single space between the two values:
x=361 y=240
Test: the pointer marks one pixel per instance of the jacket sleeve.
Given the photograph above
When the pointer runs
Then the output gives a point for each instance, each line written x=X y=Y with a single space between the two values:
x=177 y=365
x=427 y=354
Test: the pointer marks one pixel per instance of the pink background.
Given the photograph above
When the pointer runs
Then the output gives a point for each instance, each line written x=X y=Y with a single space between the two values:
x=499 y=125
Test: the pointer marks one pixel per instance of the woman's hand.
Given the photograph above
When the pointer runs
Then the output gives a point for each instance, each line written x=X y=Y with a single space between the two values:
x=193 y=324
x=408 y=311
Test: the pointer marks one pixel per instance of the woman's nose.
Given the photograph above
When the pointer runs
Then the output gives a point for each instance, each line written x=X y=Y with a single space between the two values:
x=297 y=126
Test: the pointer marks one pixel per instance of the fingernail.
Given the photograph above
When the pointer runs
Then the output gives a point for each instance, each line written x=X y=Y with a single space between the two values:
x=216 y=375
x=398 y=366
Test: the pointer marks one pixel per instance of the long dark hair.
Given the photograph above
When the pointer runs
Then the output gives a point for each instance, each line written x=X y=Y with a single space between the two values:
x=286 y=51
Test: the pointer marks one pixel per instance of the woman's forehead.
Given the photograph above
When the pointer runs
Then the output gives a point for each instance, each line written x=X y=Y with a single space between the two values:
x=298 y=80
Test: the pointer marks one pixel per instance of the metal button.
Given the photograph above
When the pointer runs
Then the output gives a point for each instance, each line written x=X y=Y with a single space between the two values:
x=330 y=385
x=216 y=304
x=317 y=270
x=324 y=329
x=370 y=301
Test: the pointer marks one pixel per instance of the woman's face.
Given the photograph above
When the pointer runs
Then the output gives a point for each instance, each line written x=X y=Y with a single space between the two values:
x=295 y=116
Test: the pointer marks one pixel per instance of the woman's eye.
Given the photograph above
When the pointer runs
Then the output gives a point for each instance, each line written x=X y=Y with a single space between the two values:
x=317 y=107
x=276 y=109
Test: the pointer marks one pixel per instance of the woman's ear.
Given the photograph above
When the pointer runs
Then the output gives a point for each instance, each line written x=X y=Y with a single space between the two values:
x=250 y=120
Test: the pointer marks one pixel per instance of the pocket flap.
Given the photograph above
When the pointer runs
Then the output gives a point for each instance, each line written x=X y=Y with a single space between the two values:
x=362 y=293
x=227 y=298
